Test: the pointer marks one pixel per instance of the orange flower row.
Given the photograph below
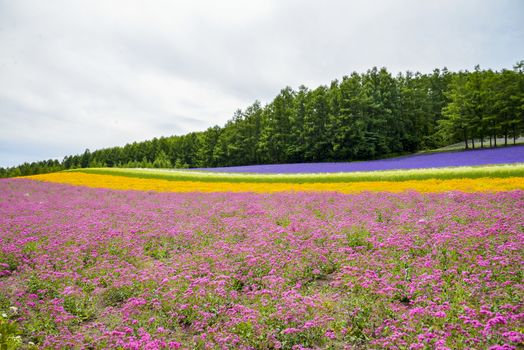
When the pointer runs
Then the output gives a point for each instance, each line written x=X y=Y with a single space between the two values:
x=159 y=185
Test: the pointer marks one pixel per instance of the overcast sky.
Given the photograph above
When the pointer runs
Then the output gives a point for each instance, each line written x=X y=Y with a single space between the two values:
x=93 y=74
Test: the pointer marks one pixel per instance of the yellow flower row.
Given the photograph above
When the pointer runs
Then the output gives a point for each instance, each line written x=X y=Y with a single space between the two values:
x=431 y=185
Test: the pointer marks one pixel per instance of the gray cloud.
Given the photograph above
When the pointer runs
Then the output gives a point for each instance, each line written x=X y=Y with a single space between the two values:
x=92 y=74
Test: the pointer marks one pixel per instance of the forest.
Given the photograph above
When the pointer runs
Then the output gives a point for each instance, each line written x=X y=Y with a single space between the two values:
x=360 y=117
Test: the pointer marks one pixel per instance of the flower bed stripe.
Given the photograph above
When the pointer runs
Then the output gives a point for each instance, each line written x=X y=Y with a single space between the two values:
x=159 y=185
x=462 y=172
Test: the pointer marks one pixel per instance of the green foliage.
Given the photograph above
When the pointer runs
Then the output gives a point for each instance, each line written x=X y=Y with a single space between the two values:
x=283 y=222
x=357 y=236
x=45 y=166
x=42 y=287
x=178 y=165
x=115 y=296
x=10 y=335
x=161 y=160
x=311 y=338
x=10 y=260
x=160 y=248
x=359 y=320
x=244 y=330
x=81 y=306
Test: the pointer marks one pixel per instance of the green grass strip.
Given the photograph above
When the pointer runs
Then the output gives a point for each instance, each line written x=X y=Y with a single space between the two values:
x=494 y=171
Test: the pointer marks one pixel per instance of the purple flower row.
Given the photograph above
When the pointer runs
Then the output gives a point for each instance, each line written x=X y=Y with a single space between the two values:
x=502 y=155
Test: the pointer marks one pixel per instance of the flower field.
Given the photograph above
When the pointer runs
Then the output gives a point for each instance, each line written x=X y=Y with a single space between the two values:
x=101 y=261
x=162 y=185
x=501 y=155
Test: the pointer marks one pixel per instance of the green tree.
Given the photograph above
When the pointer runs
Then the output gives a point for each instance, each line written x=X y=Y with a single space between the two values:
x=162 y=160
x=316 y=140
x=276 y=121
x=456 y=123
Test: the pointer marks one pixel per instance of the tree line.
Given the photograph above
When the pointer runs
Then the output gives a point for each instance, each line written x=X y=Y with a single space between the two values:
x=362 y=116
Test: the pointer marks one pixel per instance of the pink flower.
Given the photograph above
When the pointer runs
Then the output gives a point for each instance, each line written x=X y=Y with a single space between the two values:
x=330 y=334
x=416 y=311
x=515 y=337
x=499 y=319
x=174 y=345
x=309 y=324
x=440 y=314
x=290 y=331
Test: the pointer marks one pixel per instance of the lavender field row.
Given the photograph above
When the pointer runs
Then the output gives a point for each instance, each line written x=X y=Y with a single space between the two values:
x=475 y=157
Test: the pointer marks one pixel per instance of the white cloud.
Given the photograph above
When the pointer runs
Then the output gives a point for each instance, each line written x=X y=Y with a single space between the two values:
x=92 y=74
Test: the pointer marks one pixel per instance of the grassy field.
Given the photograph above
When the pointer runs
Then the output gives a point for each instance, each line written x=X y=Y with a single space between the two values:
x=495 y=171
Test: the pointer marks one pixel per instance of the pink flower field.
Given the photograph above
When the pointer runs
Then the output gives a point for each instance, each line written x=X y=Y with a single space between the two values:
x=92 y=268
